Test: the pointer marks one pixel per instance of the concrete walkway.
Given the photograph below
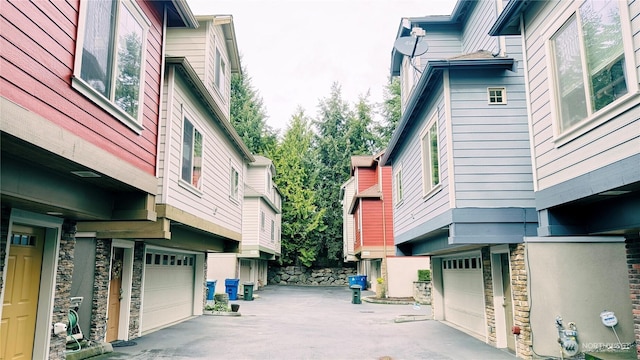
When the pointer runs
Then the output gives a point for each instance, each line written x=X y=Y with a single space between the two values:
x=289 y=322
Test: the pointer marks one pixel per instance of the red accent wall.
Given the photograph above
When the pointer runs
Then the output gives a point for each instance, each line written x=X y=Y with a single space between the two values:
x=36 y=67
x=375 y=212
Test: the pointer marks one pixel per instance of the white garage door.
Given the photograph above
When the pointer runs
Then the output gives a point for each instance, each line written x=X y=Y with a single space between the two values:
x=464 y=293
x=168 y=288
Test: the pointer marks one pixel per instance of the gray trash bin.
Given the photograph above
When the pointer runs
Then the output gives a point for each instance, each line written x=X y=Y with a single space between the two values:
x=356 y=293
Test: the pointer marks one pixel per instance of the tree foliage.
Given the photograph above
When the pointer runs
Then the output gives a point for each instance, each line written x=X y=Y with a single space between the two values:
x=391 y=112
x=249 y=117
x=296 y=178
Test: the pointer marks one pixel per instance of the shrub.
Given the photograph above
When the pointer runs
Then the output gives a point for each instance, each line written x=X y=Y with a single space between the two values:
x=424 y=275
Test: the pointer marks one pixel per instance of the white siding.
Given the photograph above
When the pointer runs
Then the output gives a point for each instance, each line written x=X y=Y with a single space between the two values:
x=214 y=203
x=613 y=140
x=189 y=43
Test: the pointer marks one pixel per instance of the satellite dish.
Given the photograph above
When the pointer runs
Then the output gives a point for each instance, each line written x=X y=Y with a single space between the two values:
x=411 y=45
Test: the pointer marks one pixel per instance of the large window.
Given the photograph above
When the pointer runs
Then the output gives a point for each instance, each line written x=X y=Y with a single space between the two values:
x=110 y=57
x=589 y=62
x=192 y=155
x=430 y=156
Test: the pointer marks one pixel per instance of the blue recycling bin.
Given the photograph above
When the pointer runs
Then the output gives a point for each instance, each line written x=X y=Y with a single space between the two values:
x=358 y=280
x=231 y=287
x=211 y=289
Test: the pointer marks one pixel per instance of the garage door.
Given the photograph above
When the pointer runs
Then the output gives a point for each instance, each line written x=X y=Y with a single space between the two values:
x=168 y=288
x=464 y=293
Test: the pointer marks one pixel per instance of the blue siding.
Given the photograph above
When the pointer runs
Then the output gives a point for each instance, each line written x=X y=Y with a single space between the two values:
x=444 y=42
x=475 y=30
x=491 y=142
x=416 y=209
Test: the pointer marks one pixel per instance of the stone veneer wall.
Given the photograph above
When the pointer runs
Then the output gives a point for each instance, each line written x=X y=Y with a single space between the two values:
x=135 y=314
x=519 y=280
x=422 y=292
x=99 y=304
x=633 y=264
x=489 y=309
x=300 y=275
x=61 y=300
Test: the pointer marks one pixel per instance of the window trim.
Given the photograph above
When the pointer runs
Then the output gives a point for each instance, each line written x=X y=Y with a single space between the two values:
x=220 y=73
x=184 y=183
x=428 y=188
x=594 y=119
x=397 y=186
x=497 y=88
x=262 y=221
x=77 y=83
x=234 y=195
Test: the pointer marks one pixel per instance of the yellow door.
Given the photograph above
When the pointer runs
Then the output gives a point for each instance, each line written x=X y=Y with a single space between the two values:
x=17 y=329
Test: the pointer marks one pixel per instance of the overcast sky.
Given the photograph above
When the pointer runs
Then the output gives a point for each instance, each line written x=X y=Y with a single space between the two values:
x=293 y=50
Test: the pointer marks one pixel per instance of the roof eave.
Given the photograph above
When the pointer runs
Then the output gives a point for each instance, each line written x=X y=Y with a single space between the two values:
x=184 y=13
x=204 y=94
x=509 y=20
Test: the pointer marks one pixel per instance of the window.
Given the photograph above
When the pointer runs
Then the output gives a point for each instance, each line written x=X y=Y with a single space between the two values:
x=220 y=72
x=273 y=231
x=397 y=186
x=269 y=182
x=234 y=184
x=262 y=220
x=110 y=56
x=497 y=96
x=588 y=62
x=191 y=155
x=430 y=156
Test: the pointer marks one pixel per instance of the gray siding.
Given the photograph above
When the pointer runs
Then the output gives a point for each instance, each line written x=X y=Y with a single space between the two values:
x=475 y=30
x=615 y=138
x=416 y=209
x=444 y=42
x=491 y=142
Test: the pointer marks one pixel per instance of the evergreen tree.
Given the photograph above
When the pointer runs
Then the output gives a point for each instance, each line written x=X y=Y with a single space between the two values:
x=248 y=116
x=333 y=161
x=359 y=136
x=391 y=111
x=296 y=178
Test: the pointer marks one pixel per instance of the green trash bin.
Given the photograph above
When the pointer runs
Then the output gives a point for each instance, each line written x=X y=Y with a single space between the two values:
x=356 y=293
x=248 y=291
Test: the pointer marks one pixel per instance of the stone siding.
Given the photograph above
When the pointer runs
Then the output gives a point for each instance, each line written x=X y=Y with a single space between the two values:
x=99 y=304
x=62 y=296
x=489 y=309
x=135 y=313
x=633 y=264
x=299 y=275
x=519 y=279
x=422 y=292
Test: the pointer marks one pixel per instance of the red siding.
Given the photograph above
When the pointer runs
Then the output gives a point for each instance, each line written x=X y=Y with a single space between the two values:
x=372 y=209
x=36 y=67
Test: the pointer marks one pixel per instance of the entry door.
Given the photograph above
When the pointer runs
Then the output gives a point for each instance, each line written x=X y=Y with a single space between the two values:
x=115 y=292
x=18 y=324
x=508 y=304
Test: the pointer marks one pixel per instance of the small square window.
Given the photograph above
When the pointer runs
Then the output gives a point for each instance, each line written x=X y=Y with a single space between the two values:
x=466 y=264
x=474 y=263
x=497 y=96
x=149 y=259
x=455 y=264
x=191 y=261
x=173 y=260
x=179 y=262
x=165 y=259
x=157 y=260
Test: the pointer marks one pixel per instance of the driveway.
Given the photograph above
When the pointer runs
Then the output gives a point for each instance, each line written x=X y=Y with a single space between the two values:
x=290 y=322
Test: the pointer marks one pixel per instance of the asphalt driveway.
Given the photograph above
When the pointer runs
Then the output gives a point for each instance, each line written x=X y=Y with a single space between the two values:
x=289 y=322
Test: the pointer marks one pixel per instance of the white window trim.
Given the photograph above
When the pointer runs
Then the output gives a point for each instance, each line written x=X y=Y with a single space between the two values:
x=397 y=187
x=88 y=91
x=220 y=89
x=183 y=183
x=497 y=88
x=624 y=103
x=234 y=197
x=427 y=189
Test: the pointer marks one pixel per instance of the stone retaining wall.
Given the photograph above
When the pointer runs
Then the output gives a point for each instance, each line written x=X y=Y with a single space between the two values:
x=300 y=275
x=422 y=292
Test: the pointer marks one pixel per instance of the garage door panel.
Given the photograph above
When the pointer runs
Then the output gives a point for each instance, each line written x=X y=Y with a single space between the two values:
x=464 y=298
x=168 y=291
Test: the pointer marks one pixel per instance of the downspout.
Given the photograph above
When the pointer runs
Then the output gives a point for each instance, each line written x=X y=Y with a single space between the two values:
x=167 y=118
x=385 y=273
